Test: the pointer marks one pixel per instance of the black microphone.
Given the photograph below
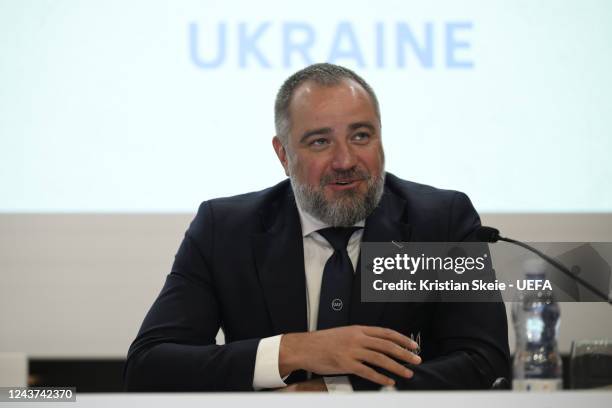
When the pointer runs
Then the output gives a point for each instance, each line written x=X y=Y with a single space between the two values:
x=487 y=234
x=491 y=235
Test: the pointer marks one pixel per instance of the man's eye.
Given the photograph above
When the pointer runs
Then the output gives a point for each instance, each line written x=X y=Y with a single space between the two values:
x=319 y=142
x=361 y=136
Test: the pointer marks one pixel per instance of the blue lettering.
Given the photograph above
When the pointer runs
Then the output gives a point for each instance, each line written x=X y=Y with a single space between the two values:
x=344 y=30
x=247 y=45
x=452 y=45
x=193 y=47
x=294 y=43
x=380 y=45
x=290 y=45
x=424 y=53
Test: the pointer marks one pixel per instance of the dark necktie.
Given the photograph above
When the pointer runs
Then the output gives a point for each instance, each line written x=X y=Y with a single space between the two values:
x=337 y=281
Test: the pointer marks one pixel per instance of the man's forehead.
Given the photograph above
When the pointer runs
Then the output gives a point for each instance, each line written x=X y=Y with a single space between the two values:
x=311 y=89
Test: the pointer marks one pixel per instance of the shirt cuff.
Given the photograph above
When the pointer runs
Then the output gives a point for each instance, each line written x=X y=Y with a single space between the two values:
x=340 y=383
x=267 y=374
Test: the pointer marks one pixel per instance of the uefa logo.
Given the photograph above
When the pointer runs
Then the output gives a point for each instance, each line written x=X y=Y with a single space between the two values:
x=336 y=304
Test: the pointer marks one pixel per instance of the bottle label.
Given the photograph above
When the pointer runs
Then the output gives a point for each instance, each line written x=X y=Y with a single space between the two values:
x=537 y=384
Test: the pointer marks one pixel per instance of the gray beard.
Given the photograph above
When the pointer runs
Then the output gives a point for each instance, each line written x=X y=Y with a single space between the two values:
x=349 y=209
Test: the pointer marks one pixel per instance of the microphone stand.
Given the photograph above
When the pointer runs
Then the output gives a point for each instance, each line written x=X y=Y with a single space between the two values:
x=559 y=266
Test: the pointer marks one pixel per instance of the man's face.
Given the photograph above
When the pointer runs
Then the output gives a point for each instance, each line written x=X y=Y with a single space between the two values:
x=334 y=154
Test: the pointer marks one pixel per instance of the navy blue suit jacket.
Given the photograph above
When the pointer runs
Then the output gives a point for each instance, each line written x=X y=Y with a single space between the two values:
x=240 y=267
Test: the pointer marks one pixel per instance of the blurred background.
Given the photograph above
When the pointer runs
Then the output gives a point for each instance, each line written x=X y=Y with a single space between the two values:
x=118 y=118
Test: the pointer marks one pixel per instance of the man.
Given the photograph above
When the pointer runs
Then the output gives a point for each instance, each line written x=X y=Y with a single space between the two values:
x=278 y=270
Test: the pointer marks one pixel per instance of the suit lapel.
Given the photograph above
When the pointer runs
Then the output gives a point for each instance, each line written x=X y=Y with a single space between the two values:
x=279 y=259
x=385 y=224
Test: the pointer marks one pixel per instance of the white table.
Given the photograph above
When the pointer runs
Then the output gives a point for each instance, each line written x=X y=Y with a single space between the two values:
x=420 y=399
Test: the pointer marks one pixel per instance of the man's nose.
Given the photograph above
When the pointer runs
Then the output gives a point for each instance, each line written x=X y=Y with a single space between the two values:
x=344 y=157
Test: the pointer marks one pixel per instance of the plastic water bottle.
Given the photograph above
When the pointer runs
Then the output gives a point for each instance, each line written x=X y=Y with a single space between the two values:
x=536 y=316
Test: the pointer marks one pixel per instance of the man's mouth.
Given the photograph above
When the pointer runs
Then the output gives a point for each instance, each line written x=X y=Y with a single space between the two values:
x=344 y=184
x=344 y=180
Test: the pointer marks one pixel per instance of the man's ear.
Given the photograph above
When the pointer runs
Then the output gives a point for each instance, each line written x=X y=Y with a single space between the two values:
x=281 y=153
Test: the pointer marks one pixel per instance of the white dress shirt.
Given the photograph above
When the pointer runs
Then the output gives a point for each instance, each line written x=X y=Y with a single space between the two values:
x=316 y=253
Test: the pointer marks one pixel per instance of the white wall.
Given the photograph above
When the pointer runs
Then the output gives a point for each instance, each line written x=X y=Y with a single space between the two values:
x=79 y=285
x=104 y=105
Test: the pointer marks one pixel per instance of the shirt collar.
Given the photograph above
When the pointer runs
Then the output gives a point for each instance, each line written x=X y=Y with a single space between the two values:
x=311 y=224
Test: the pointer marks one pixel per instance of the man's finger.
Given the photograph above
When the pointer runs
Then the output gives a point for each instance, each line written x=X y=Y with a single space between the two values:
x=381 y=360
x=392 y=349
x=392 y=335
x=368 y=373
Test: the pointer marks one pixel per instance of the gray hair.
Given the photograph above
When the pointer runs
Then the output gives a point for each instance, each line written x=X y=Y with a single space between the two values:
x=322 y=74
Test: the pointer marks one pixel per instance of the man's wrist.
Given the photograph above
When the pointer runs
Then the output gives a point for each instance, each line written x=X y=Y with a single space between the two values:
x=289 y=353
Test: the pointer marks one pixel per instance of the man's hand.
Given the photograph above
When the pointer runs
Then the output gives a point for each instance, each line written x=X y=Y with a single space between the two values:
x=317 y=384
x=345 y=350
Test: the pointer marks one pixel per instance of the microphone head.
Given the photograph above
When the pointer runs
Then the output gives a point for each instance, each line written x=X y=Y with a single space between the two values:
x=487 y=234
